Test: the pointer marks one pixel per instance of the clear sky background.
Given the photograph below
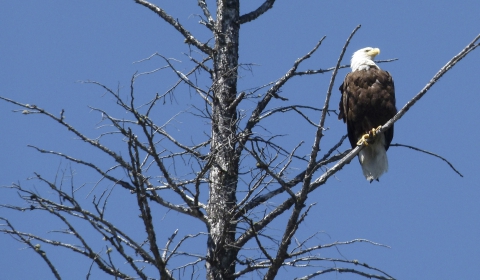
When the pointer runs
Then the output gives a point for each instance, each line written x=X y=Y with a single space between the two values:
x=423 y=210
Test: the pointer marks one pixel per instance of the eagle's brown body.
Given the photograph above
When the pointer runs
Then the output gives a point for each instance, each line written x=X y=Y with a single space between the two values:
x=368 y=101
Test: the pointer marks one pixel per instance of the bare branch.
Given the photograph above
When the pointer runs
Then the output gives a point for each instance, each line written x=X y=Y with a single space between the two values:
x=36 y=247
x=428 y=153
x=189 y=38
x=267 y=5
x=343 y=270
x=259 y=243
x=35 y=109
x=39 y=203
x=321 y=71
x=120 y=182
x=185 y=79
x=265 y=167
x=175 y=251
x=236 y=101
x=296 y=109
x=146 y=214
x=210 y=22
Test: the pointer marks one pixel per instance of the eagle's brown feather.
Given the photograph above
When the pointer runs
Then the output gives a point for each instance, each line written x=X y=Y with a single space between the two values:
x=368 y=101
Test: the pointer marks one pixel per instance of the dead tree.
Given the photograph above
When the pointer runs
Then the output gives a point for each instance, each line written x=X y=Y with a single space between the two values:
x=227 y=180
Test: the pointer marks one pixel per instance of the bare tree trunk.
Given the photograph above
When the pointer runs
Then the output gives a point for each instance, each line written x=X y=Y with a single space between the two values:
x=224 y=173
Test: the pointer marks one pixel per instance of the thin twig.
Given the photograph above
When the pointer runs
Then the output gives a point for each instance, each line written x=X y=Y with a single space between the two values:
x=343 y=270
x=321 y=71
x=428 y=153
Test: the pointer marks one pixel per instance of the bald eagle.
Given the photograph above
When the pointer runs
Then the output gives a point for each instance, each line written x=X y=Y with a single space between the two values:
x=367 y=103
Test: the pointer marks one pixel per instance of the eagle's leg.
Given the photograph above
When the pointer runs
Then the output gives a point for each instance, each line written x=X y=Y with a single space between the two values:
x=367 y=136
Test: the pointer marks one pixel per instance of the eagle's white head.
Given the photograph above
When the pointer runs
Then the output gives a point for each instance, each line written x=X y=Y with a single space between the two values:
x=363 y=58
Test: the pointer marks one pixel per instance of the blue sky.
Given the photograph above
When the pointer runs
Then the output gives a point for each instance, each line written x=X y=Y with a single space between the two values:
x=424 y=211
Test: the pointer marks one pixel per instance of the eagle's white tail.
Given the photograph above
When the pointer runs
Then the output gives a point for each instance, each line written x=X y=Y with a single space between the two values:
x=373 y=159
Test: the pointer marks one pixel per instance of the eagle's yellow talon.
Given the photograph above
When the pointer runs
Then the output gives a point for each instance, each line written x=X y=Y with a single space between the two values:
x=363 y=139
x=371 y=134
x=374 y=130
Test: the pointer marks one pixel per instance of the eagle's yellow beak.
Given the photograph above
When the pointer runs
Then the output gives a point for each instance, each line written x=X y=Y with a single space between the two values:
x=374 y=52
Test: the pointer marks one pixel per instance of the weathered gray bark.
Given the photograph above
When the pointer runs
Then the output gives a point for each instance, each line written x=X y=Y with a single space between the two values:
x=224 y=173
